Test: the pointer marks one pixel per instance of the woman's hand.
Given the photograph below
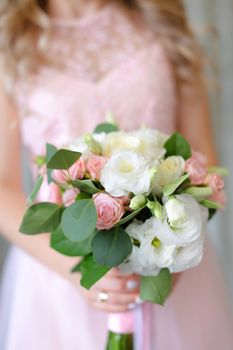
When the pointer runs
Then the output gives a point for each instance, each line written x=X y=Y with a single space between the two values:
x=114 y=292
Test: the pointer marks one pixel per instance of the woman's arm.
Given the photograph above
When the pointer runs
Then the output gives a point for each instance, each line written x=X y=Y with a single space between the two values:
x=122 y=290
x=12 y=204
x=194 y=121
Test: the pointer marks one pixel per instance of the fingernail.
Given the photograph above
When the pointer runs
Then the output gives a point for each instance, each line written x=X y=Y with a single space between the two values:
x=131 y=306
x=138 y=300
x=132 y=284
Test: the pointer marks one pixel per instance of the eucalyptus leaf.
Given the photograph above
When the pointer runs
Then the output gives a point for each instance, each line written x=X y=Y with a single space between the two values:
x=211 y=204
x=63 y=159
x=40 y=218
x=111 y=247
x=106 y=127
x=86 y=186
x=50 y=151
x=82 y=195
x=79 y=220
x=170 y=188
x=35 y=190
x=176 y=145
x=129 y=217
x=91 y=271
x=63 y=245
x=156 y=289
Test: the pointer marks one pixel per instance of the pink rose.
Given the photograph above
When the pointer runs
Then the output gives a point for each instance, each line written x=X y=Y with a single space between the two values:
x=60 y=176
x=76 y=171
x=125 y=200
x=69 y=196
x=55 y=195
x=94 y=166
x=196 y=168
x=218 y=197
x=109 y=210
x=199 y=157
x=215 y=181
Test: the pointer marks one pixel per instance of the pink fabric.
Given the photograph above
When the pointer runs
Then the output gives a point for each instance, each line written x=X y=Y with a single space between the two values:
x=122 y=322
x=121 y=68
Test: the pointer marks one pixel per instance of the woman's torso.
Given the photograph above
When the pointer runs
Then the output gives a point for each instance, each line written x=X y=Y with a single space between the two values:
x=110 y=64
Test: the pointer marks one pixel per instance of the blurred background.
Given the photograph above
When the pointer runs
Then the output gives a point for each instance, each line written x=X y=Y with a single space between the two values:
x=212 y=20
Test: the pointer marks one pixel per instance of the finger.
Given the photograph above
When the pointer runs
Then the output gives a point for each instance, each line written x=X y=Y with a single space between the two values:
x=112 y=308
x=114 y=272
x=112 y=283
x=175 y=279
x=114 y=298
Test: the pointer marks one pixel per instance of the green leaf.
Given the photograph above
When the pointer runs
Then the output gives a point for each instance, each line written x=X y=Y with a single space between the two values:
x=40 y=218
x=212 y=212
x=50 y=151
x=218 y=170
x=156 y=208
x=40 y=161
x=79 y=220
x=106 y=127
x=64 y=246
x=86 y=186
x=63 y=159
x=35 y=190
x=176 y=145
x=82 y=195
x=156 y=289
x=211 y=204
x=111 y=247
x=129 y=217
x=91 y=271
x=199 y=192
x=170 y=188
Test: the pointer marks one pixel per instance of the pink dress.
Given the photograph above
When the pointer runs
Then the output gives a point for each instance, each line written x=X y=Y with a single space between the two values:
x=112 y=65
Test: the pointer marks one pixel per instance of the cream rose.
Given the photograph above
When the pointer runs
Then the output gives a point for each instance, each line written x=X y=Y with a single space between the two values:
x=146 y=142
x=120 y=141
x=168 y=171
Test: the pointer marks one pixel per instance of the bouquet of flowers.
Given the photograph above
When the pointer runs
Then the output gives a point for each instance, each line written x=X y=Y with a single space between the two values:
x=135 y=200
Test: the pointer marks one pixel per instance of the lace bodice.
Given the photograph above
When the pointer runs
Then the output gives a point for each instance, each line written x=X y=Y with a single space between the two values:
x=94 y=46
x=106 y=62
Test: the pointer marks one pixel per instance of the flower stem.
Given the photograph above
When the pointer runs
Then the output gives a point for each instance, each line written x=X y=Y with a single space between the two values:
x=117 y=341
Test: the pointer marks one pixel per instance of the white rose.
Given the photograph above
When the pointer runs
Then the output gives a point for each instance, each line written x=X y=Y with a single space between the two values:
x=125 y=172
x=80 y=146
x=152 y=255
x=137 y=264
x=168 y=171
x=151 y=143
x=187 y=257
x=186 y=220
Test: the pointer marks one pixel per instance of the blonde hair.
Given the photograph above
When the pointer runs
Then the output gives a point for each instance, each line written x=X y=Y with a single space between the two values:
x=21 y=21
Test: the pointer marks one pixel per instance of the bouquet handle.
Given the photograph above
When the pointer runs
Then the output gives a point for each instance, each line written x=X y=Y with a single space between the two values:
x=128 y=330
